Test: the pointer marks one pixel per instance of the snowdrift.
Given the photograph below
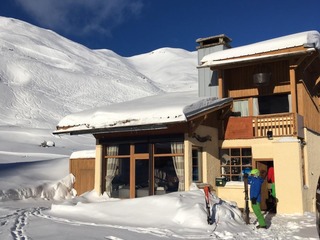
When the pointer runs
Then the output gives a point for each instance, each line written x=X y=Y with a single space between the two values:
x=49 y=191
x=183 y=209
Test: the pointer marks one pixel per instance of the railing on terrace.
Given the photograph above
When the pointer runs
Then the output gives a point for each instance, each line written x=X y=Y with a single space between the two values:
x=279 y=124
x=282 y=124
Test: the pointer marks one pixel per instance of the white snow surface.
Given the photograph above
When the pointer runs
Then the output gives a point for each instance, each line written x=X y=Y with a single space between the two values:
x=83 y=154
x=309 y=39
x=159 y=65
x=44 y=77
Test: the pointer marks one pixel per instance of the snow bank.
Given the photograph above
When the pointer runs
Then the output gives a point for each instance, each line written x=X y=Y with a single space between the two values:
x=60 y=190
x=181 y=209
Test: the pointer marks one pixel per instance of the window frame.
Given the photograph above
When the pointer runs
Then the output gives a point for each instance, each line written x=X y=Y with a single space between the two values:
x=232 y=166
x=198 y=166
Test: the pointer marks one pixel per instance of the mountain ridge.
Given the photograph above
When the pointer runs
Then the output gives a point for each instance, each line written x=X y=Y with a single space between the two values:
x=44 y=76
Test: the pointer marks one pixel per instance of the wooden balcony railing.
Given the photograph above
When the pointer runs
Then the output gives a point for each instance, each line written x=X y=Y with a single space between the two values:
x=278 y=124
x=284 y=124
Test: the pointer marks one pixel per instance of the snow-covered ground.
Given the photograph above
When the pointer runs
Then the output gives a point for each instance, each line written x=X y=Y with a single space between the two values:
x=44 y=77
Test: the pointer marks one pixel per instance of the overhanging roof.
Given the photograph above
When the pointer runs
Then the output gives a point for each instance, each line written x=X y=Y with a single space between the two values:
x=309 y=40
x=228 y=63
x=149 y=113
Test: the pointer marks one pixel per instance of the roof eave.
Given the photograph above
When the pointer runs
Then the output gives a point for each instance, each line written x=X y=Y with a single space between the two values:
x=147 y=127
x=135 y=128
x=247 y=60
x=212 y=108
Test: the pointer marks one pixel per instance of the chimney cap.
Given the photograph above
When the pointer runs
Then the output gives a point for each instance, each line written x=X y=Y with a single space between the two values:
x=221 y=39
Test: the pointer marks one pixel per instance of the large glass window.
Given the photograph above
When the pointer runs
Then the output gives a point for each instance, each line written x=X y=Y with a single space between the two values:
x=158 y=168
x=234 y=162
x=168 y=167
x=120 y=186
x=117 y=170
x=162 y=148
x=165 y=177
x=141 y=147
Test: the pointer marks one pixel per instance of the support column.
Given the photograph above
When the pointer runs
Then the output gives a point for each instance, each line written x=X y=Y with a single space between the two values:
x=220 y=83
x=98 y=169
x=187 y=164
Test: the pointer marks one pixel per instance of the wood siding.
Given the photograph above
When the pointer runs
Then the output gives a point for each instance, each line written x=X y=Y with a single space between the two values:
x=239 y=128
x=304 y=88
x=83 y=170
x=238 y=82
x=308 y=108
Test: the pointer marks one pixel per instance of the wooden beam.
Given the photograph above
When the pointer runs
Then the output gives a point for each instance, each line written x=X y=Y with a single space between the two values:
x=98 y=177
x=220 y=84
x=309 y=61
x=194 y=124
x=132 y=173
x=293 y=88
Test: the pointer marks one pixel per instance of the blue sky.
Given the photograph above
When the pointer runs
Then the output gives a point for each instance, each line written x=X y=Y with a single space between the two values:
x=132 y=27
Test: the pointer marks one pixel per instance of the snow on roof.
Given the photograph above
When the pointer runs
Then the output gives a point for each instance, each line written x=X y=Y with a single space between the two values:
x=224 y=62
x=308 y=39
x=158 y=109
x=83 y=154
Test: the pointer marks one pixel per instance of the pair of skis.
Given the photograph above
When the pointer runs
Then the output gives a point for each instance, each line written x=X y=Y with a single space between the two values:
x=246 y=197
x=207 y=192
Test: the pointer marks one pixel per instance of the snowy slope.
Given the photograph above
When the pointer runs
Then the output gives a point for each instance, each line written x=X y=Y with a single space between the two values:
x=44 y=76
x=162 y=64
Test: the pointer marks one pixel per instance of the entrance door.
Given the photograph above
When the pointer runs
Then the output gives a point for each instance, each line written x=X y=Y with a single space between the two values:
x=263 y=166
x=139 y=170
x=141 y=177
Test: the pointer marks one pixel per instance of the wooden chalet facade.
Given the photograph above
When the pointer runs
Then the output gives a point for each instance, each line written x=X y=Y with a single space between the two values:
x=275 y=119
x=145 y=152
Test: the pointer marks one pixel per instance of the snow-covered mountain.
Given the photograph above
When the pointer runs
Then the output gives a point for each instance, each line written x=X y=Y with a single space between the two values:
x=44 y=76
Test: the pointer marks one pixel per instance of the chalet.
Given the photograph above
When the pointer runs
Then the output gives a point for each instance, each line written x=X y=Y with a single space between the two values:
x=274 y=123
x=257 y=106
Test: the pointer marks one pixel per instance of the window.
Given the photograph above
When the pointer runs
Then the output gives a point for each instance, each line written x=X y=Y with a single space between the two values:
x=196 y=164
x=234 y=161
x=273 y=104
x=241 y=107
x=157 y=167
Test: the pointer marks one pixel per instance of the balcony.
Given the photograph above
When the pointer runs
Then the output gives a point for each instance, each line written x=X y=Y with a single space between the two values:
x=284 y=124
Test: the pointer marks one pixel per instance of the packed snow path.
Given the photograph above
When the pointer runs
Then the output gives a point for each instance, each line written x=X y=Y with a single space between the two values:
x=24 y=221
x=23 y=224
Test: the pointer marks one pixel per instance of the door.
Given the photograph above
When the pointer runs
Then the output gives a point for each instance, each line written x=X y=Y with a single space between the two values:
x=140 y=171
x=141 y=177
x=263 y=166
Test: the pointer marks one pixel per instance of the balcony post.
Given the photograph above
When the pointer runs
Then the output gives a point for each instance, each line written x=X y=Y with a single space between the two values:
x=293 y=88
x=220 y=83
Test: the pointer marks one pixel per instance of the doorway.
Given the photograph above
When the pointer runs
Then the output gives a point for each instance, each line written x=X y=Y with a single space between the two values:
x=139 y=176
x=264 y=165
